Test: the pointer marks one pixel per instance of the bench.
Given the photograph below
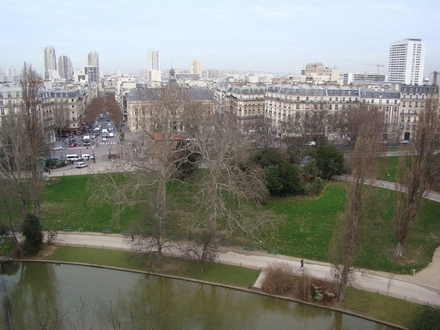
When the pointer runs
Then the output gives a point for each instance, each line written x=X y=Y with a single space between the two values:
x=80 y=229
x=274 y=251
x=67 y=229
x=126 y=233
x=175 y=238
x=249 y=247
x=106 y=231
x=226 y=243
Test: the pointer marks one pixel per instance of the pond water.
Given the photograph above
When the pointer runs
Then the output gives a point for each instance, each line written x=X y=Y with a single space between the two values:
x=80 y=297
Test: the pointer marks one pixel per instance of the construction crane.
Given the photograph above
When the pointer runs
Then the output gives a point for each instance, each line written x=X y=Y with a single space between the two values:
x=378 y=66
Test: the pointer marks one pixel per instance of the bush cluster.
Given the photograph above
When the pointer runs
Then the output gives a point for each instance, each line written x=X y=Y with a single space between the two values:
x=282 y=279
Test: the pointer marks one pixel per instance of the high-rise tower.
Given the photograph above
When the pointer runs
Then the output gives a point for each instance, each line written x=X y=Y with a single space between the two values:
x=50 y=62
x=92 y=58
x=153 y=60
x=195 y=67
x=407 y=61
x=65 y=68
x=153 y=65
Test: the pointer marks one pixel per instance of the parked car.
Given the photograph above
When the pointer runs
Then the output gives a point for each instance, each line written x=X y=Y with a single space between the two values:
x=58 y=148
x=86 y=157
x=104 y=139
x=113 y=156
x=73 y=145
x=311 y=143
x=80 y=164
x=110 y=135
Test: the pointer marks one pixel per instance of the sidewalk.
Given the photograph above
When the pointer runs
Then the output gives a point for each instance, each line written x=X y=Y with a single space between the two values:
x=422 y=288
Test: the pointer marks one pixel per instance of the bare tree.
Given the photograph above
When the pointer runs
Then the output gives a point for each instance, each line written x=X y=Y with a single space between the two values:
x=228 y=191
x=416 y=173
x=362 y=203
x=60 y=118
x=349 y=121
x=31 y=84
x=22 y=145
x=150 y=160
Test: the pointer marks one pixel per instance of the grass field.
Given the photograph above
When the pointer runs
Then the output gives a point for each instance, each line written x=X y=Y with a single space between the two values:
x=306 y=232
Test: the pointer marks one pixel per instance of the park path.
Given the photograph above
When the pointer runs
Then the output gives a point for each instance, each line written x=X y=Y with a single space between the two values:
x=422 y=288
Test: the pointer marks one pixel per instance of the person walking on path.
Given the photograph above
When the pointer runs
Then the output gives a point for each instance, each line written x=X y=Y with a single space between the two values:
x=302 y=264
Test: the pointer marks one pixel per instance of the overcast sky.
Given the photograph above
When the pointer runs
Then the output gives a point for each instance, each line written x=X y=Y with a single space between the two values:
x=279 y=36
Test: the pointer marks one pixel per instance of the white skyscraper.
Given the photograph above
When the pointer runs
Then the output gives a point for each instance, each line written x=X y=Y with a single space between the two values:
x=195 y=67
x=11 y=71
x=153 y=65
x=153 y=60
x=407 y=61
x=65 y=68
x=50 y=62
x=92 y=58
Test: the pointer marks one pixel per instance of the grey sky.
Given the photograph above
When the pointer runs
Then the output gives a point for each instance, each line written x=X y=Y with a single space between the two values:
x=263 y=36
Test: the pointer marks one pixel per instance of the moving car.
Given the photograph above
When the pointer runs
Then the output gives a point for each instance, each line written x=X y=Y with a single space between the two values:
x=110 y=135
x=73 y=145
x=80 y=164
x=58 y=148
x=104 y=139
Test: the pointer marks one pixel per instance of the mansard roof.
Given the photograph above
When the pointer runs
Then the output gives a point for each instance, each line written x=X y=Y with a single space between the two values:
x=377 y=93
x=198 y=94
x=313 y=90
x=248 y=90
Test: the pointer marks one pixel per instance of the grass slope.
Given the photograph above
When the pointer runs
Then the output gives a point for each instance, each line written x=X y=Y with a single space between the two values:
x=306 y=232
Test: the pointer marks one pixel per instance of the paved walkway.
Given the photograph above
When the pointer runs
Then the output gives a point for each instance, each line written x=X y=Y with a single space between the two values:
x=422 y=288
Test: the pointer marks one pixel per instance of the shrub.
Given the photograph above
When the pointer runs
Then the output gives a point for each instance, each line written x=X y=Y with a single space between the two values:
x=429 y=319
x=279 y=278
x=7 y=246
x=303 y=284
x=32 y=231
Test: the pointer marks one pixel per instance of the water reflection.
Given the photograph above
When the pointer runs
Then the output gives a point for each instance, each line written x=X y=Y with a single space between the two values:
x=88 y=297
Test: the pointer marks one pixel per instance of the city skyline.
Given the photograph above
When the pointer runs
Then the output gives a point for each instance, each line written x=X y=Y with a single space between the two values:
x=279 y=37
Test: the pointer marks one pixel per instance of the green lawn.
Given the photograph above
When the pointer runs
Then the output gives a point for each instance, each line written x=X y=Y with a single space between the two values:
x=214 y=272
x=306 y=232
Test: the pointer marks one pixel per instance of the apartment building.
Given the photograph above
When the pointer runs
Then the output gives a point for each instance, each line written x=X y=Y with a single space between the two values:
x=63 y=108
x=10 y=99
x=407 y=61
x=247 y=102
x=319 y=73
x=139 y=101
x=412 y=101
x=195 y=67
x=287 y=106
x=387 y=101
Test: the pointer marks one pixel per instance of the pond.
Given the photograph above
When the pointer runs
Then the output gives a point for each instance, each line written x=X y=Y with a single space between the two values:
x=63 y=296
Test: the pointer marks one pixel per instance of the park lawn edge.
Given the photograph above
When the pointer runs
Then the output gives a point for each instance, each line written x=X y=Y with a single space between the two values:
x=378 y=308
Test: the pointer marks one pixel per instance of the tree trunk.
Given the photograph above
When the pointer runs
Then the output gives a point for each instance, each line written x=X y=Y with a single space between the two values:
x=342 y=283
x=398 y=252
